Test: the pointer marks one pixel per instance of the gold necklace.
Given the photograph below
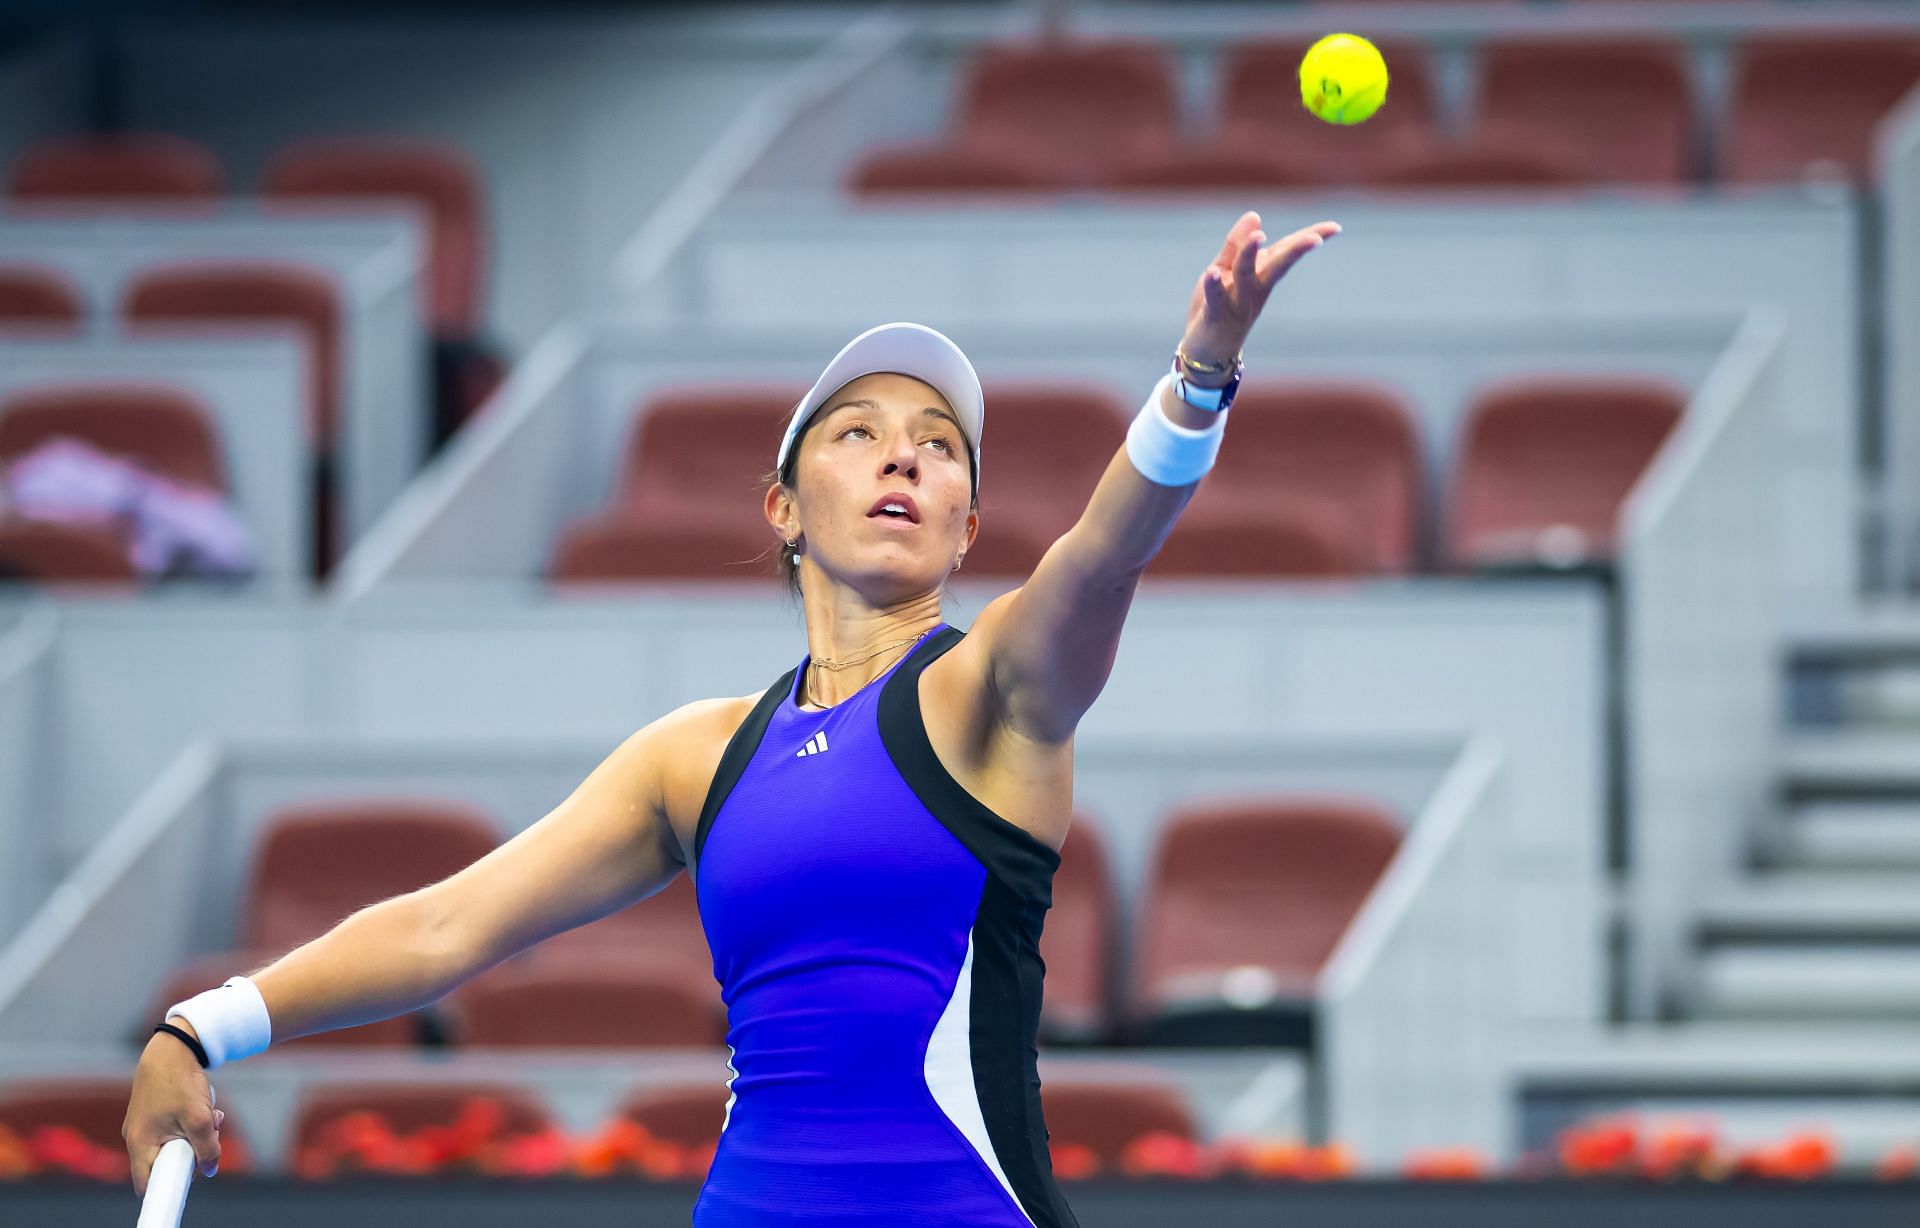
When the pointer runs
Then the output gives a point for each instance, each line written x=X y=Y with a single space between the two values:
x=825 y=663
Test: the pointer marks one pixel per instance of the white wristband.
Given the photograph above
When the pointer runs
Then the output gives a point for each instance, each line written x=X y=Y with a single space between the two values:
x=230 y=1021
x=1164 y=451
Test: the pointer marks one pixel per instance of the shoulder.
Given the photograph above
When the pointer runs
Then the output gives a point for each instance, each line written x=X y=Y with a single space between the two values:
x=689 y=742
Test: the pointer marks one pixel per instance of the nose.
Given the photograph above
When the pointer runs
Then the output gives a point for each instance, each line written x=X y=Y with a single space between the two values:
x=902 y=458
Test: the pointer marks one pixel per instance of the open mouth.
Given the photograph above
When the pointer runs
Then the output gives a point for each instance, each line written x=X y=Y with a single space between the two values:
x=896 y=506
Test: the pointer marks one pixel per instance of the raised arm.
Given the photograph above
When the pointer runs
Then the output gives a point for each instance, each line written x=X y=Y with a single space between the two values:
x=1047 y=647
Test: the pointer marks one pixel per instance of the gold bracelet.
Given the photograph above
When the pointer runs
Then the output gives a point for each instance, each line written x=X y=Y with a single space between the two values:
x=1202 y=368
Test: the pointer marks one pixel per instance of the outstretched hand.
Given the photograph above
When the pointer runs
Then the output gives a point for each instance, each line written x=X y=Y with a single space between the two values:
x=1232 y=291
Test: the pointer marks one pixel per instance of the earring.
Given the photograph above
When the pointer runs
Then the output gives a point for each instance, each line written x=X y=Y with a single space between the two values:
x=790 y=543
x=958 y=561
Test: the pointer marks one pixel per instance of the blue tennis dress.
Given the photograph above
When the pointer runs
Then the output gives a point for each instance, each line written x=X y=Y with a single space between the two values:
x=875 y=931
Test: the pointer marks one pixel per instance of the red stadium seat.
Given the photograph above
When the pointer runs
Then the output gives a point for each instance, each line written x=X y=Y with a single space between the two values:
x=665 y=925
x=689 y=1114
x=1808 y=105
x=1105 y=1114
x=1260 y=111
x=1090 y=104
x=1275 y=536
x=253 y=293
x=40 y=298
x=621 y=547
x=706 y=450
x=1076 y=945
x=1626 y=105
x=1222 y=166
x=1545 y=463
x=240 y=295
x=433 y=175
x=316 y=863
x=590 y=1001
x=1268 y=885
x=1494 y=157
x=166 y=430
x=1052 y=441
x=49 y=553
x=209 y=971
x=409 y=1108
x=1347 y=447
x=137 y=169
x=97 y=1109
x=992 y=162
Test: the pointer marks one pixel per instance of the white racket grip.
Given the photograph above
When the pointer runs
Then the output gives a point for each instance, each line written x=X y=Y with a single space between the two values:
x=167 y=1185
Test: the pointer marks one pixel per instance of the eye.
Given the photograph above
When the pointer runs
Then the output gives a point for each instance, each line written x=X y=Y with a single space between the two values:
x=946 y=445
x=855 y=427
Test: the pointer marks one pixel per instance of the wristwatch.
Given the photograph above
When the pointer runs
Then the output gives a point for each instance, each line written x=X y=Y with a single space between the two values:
x=1214 y=400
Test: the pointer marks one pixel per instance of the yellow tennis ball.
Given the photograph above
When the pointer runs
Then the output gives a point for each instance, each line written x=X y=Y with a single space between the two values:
x=1343 y=79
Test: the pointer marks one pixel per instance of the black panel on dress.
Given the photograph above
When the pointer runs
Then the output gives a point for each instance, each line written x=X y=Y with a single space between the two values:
x=739 y=753
x=1007 y=970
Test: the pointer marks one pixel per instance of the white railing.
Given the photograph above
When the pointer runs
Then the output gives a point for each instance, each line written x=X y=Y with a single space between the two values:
x=1897 y=156
x=27 y=855
x=1416 y=1010
x=1700 y=654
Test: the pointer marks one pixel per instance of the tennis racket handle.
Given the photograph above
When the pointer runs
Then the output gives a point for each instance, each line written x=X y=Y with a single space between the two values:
x=167 y=1185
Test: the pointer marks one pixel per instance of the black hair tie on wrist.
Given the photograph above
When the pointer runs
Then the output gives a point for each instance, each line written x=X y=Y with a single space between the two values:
x=199 y=1053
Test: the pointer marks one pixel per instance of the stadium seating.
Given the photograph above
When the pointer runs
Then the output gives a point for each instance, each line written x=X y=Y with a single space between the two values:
x=315 y=863
x=1088 y=103
x=1051 y=443
x=1077 y=944
x=38 y=298
x=1259 y=110
x=1105 y=1115
x=1807 y=105
x=97 y=1109
x=1281 y=535
x=337 y=171
x=1346 y=452
x=251 y=293
x=409 y=1107
x=58 y=554
x=993 y=163
x=1627 y=106
x=244 y=294
x=1267 y=885
x=166 y=430
x=688 y=1114
x=1494 y=156
x=578 y=1001
x=1039 y=117
x=117 y=170
x=341 y=173
x=1545 y=463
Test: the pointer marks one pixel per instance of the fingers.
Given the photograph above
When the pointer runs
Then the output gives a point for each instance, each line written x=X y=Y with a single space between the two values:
x=1236 y=236
x=1214 y=286
x=206 y=1148
x=1247 y=261
x=1286 y=253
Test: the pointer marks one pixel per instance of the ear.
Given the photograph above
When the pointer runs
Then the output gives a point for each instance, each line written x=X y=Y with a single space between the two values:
x=973 y=528
x=781 y=511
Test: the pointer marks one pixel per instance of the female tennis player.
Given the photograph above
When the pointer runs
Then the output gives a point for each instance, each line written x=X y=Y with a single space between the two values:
x=872 y=840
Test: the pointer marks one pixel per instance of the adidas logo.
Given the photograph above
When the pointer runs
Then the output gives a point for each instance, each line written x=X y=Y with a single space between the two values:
x=815 y=745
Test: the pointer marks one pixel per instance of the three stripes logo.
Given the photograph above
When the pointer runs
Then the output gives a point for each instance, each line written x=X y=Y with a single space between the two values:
x=815 y=745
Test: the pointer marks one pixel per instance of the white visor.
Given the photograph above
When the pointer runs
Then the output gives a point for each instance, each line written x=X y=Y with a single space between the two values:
x=905 y=349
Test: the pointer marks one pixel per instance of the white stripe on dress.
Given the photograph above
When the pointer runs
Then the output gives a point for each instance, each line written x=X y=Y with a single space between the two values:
x=949 y=1070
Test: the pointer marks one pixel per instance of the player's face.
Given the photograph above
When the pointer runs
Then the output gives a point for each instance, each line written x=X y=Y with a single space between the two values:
x=879 y=436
